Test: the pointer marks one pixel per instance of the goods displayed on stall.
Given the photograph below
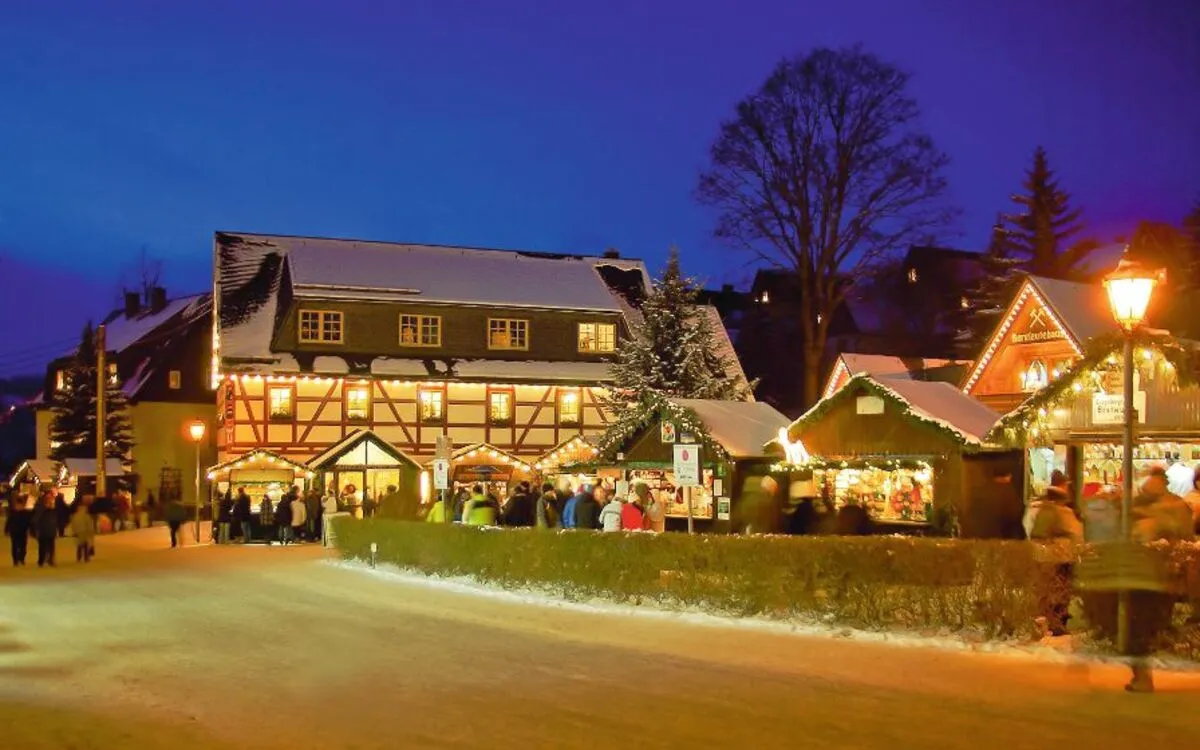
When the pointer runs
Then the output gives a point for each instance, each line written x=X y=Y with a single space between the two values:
x=666 y=490
x=888 y=493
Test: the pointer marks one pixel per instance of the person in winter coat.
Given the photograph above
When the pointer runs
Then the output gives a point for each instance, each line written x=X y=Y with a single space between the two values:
x=175 y=514
x=587 y=510
x=1158 y=515
x=45 y=528
x=610 y=512
x=224 y=517
x=656 y=512
x=546 y=511
x=241 y=514
x=633 y=513
x=312 y=514
x=1192 y=499
x=520 y=510
x=62 y=514
x=1055 y=527
x=480 y=510
x=16 y=528
x=85 y=532
x=568 y=514
x=299 y=518
x=283 y=517
x=852 y=520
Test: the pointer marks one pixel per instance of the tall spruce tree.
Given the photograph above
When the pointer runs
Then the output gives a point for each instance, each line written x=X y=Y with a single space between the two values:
x=73 y=409
x=672 y=352
x=1000 y=278
x=1039 y=233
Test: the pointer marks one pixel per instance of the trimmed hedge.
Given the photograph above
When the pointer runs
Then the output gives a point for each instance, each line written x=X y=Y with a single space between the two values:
x=987 y=589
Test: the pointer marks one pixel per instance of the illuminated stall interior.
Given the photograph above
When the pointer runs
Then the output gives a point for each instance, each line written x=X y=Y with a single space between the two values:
x=572 y=463
x=366 y=465
x=486 y=464
x=262 y=473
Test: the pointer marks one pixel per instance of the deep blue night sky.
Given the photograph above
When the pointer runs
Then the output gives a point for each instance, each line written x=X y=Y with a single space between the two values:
x=520 y=124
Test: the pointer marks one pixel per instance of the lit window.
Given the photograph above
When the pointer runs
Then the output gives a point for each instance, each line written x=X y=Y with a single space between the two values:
x=112 y=373
x=1034 y=377
x=280 y=398
x=765 y=298
x=433 y=405
x=820 y=318
x=174 y=380
x=60 y=380
x=568 y=407
x=358 y=403
x=912 y=275
x=505 y=333
x=597 y=337
x=964 y=303
x=420 y=330
x=500 y=407
x=320 y=326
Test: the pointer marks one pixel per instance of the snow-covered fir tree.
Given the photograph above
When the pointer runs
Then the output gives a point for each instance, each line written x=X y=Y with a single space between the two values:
x=672 y=352
x=1040 y=232
x=73 y=409
x=987 y=301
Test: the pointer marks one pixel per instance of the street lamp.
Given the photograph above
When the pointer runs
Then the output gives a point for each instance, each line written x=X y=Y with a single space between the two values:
x=1129 y=289
x=196 y=430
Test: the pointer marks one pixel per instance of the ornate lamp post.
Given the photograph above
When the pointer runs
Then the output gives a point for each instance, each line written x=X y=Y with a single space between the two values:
x=1129 y=288
x=196 y=431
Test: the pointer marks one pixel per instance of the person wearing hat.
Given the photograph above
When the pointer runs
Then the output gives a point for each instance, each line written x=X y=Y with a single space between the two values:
x=1053 y=524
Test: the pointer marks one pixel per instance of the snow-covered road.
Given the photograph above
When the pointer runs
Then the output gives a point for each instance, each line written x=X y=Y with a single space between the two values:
x=274 y=648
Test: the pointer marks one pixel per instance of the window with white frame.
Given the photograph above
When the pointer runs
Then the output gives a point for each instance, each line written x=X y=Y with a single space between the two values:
x=568 y=407
x=321 y=326
x=420 y=330
x=597 y=337
x=508 y=333
x=1035 y=376
x=279 y=402
x=358 y=403
x=500 y=407
x=432 y=405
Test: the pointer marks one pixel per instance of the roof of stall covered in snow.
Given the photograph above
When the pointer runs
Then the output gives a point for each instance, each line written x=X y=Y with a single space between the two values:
x=253 y=269
x=743 y=428
x=1082 y=308
x=86 y=467
x=945 y=403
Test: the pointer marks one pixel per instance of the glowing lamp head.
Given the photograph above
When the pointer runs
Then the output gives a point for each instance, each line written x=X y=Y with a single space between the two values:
x=1129 y=289
x=196 y=430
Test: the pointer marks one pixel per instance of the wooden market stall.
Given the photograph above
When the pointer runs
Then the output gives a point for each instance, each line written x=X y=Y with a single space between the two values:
x=365 y=465
x=732 y=437
x=1074 y=424
x=498 y=471
x=913 y=453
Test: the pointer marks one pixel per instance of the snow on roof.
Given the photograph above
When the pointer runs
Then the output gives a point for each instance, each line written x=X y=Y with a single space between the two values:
x=86 y=467
x=326 y=364
x=883 y=365
x=254 y=270
x=543 y=371
x=44 y=469
x=121 y=332
x=1103 y=259
x=1082 y=308
x=724 y=346
x=944 y=403
x=395 y=367
x=742 y=427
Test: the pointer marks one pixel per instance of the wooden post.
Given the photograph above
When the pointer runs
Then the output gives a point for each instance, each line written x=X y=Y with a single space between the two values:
x=101 y=391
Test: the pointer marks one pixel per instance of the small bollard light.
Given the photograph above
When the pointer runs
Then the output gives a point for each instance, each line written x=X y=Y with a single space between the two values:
x=374 y=549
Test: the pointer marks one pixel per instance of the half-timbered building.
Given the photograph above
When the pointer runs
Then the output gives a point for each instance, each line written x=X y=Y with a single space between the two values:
x=354 y=357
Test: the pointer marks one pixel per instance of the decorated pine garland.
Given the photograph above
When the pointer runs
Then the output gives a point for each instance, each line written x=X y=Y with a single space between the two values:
x=863 y=382
x=1155 y=353
x=640 y=415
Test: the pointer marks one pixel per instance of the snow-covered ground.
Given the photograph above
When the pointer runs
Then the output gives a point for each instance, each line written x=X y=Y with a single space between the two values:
x=223 y=647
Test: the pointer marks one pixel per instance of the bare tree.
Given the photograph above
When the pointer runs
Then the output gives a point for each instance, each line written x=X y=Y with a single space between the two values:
x=825 y=171
x=141 y=276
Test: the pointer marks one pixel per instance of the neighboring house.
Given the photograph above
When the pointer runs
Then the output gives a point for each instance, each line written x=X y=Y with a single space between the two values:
x=1044 y=330
x=352 y=358
x=159 y=352
x=880 y=366
x=732 y=306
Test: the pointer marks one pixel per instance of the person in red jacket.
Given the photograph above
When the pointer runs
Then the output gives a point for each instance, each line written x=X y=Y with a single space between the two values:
x=633 y=515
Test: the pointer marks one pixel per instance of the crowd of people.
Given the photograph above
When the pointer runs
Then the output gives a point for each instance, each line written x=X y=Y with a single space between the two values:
x=597 y=507
x=43 y=520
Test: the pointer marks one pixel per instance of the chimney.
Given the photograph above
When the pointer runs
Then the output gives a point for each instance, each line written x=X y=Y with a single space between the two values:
x=612 y=252
x=133 y=304
x=158 y=299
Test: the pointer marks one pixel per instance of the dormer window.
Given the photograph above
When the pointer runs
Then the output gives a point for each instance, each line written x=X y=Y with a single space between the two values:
x=320 y=327
x=60 y=380
x=1035 y=377
x=420 y=330
x=112 y=373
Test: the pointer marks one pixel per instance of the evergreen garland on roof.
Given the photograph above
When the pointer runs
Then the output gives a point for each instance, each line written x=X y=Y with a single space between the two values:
x=864 y=382
x=1027 y=423
x=632 y=420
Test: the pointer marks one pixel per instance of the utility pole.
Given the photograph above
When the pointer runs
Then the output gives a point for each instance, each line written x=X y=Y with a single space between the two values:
x=101 y=419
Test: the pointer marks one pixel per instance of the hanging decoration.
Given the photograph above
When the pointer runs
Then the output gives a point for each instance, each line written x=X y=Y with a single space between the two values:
x=1155 y=355
x=641 y=415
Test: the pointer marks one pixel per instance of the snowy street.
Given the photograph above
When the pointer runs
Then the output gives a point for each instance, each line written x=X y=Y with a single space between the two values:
x=275 y=648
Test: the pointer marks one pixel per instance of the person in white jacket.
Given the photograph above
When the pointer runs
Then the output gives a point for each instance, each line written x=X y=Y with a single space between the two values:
x=299 y=517
x=610 y=514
